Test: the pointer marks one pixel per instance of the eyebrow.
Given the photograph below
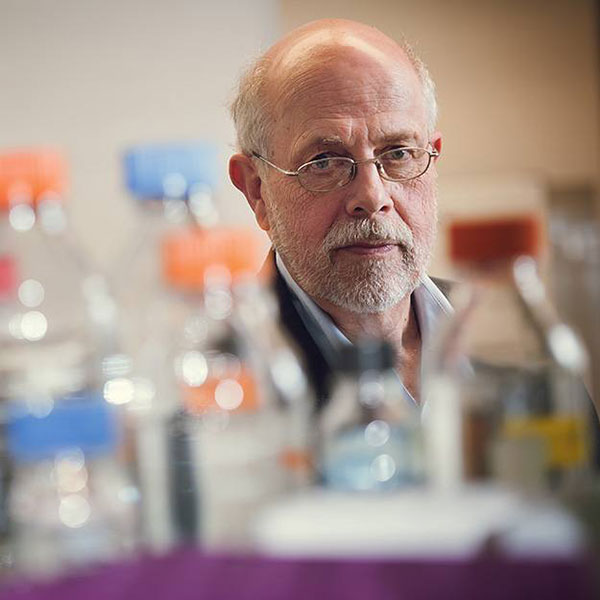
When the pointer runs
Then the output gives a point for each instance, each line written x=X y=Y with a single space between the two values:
x=335 y=141
x=319 y=143
x=404 y=137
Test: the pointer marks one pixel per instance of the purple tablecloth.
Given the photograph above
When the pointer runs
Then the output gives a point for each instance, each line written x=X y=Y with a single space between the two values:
x=189 y=575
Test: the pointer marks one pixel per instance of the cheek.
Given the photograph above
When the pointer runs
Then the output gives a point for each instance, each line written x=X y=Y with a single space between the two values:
x=419 y=207
x=304 y=215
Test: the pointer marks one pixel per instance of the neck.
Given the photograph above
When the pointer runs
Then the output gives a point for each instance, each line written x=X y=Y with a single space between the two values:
x=397 y=325
x=388 y=325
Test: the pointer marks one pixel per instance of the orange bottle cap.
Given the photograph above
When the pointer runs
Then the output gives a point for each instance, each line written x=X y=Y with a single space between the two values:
x=26 y=175
x=188 y=255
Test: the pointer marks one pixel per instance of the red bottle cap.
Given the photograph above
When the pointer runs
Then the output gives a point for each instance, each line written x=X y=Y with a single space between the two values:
x=491 y=240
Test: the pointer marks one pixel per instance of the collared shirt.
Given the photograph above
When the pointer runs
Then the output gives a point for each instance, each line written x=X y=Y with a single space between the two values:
x=429 y=303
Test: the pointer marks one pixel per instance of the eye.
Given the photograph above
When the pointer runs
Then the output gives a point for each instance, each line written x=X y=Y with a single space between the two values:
x=321 y=162
x=398 y=154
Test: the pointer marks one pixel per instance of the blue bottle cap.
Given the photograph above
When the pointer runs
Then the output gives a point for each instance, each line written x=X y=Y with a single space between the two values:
x=155 y=170
x=84 y=421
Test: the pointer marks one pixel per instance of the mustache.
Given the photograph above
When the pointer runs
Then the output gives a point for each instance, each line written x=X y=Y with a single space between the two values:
x=347 y=233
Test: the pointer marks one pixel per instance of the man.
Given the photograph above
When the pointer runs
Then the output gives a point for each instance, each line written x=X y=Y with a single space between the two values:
x=337 y=140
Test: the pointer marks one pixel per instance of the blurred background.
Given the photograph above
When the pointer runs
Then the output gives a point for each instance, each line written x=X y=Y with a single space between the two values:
x=518 y=86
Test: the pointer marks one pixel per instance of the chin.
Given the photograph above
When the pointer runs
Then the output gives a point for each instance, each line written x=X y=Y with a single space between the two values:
x=374 y=292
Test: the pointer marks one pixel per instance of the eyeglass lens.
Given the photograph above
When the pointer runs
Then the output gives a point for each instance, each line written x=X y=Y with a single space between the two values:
x=330 y=172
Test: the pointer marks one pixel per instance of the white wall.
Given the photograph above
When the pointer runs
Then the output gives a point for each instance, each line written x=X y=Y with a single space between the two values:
x=92 y=77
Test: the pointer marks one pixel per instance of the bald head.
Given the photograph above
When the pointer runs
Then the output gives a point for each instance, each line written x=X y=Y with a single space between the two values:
x=308 y=41
x=269 y=85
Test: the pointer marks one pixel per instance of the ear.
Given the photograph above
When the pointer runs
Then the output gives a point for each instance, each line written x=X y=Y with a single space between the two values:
x=436 y=143
x=245 y=177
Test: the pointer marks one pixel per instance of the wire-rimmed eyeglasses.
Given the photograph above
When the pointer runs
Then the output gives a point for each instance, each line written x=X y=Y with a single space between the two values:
x=331 y=172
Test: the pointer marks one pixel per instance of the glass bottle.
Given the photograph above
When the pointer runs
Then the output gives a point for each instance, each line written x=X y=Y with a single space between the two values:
x=49 y=342
x=505 y=395
x=172 y=184
x=369 y=430
x=276 y=356
x=232 y=425
x=70 y=502
x=48 y=347
x=36 y=229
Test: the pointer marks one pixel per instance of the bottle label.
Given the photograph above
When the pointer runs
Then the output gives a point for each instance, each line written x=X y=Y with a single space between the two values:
x=563 y=436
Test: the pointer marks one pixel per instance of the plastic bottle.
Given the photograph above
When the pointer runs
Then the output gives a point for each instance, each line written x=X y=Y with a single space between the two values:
x=505 y=395
x=70 y=503
x=369 y=430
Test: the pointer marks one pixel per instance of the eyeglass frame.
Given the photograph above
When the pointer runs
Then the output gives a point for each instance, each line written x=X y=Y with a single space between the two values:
x=375 y=160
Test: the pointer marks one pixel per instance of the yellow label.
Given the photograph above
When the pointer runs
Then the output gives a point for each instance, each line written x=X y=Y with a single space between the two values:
x=565 y=437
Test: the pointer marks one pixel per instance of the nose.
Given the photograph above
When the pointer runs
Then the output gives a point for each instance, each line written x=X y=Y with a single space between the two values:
x=367 y=193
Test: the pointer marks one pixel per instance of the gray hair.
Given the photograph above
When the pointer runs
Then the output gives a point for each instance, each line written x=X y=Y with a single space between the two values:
x=251 y=111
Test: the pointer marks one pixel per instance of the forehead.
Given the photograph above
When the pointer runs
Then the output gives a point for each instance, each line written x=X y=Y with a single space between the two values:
x=344 y=93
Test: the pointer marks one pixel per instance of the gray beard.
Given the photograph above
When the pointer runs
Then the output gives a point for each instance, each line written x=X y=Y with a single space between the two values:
x=371 y=286
x=367 y=285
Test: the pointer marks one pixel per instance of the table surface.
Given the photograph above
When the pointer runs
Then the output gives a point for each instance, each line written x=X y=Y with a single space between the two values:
x=188 y=574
